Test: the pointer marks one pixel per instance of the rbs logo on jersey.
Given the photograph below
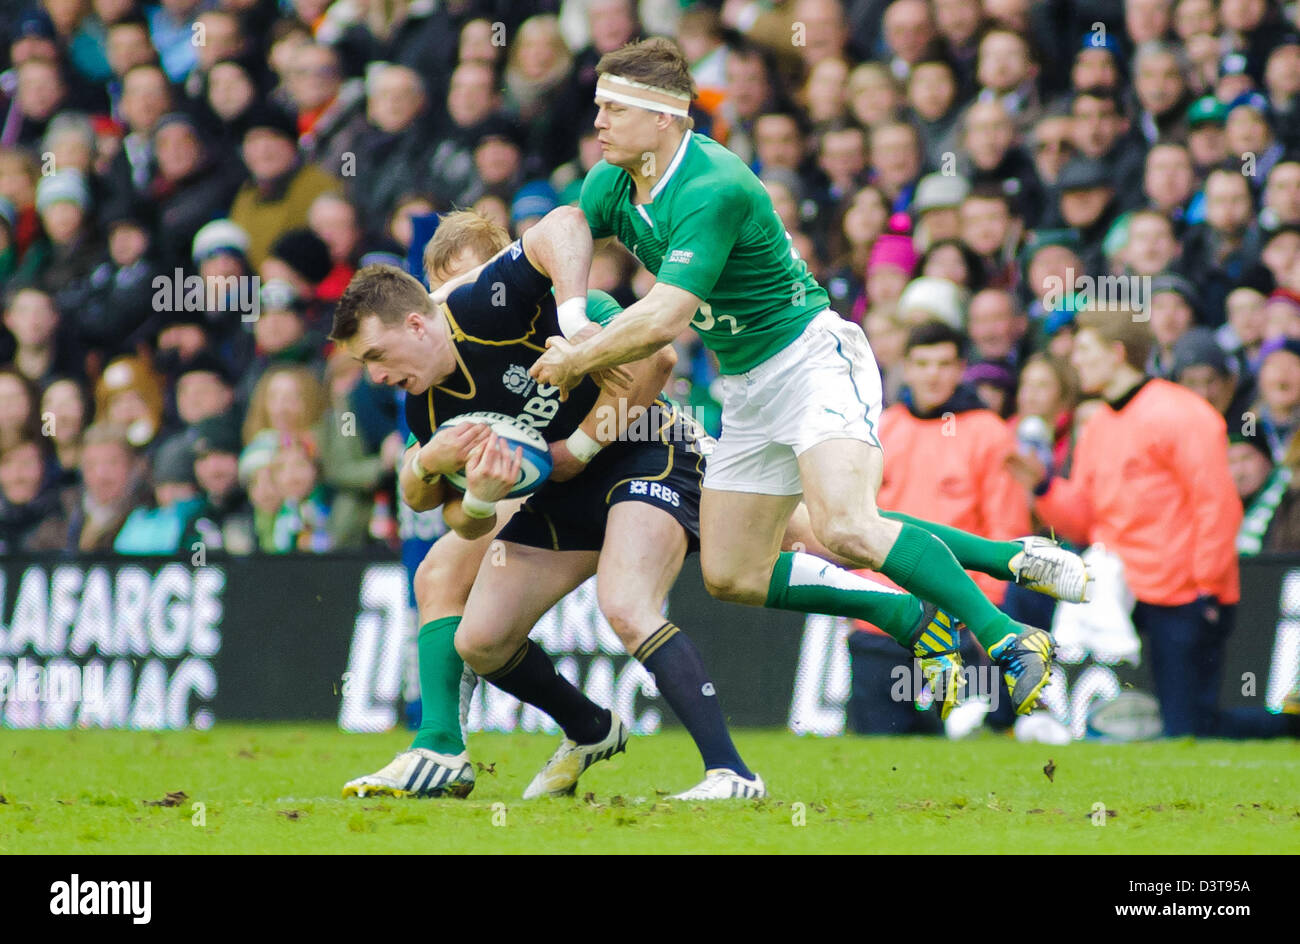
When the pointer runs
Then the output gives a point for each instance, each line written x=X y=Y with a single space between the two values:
x=665 y=494
x=540 y=408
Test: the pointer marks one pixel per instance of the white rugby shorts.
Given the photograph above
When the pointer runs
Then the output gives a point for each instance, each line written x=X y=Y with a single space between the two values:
x=823 y=385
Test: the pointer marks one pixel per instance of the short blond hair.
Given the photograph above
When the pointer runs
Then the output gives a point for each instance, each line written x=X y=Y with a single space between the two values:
x=458 y=231
x=1123 y=327
x=105 y=433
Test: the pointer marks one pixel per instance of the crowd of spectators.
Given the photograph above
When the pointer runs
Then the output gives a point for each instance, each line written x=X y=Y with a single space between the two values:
x=942 y=166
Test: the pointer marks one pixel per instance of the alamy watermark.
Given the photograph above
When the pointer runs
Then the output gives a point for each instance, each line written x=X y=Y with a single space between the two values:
x=648 y=424
x=76 y=897
x=60 y=681
x=1082 y=292
x=213 y=293
x=974 y=681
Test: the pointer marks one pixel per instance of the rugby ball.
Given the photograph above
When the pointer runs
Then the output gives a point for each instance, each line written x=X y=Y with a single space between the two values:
x=536 y=465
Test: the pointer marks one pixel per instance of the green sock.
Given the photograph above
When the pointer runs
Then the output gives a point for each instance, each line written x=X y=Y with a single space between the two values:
x=440 y=671
x=923 y=564
x=972 y=551
x=809 y=584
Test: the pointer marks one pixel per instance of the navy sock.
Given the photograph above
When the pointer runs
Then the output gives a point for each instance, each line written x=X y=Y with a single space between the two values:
x=681 y=678
x=531 y=677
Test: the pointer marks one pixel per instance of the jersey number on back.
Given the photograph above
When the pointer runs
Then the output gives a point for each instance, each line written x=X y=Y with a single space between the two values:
x=704 y=320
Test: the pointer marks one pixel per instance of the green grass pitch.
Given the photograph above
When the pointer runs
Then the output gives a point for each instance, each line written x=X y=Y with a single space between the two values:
x=276 y=789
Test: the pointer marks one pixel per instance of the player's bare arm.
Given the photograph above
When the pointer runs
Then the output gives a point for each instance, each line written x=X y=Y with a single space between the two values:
x=646 y=379
x=560 y=245
x=636 y=333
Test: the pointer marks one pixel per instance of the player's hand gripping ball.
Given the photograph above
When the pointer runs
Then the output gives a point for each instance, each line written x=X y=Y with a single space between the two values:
x=535 y=467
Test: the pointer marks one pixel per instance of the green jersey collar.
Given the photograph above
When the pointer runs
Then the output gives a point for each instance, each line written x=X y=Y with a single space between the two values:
x=672 y=166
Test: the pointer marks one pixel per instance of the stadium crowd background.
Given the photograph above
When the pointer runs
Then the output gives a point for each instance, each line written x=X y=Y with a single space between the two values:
x=942 y=167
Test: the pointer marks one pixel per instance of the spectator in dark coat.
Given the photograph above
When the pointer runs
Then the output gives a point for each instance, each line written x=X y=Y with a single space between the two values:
x=65 y=412
x=231 y=93
x=934 y=107
x=43 y=347
x=472 y=104
x=225 y=520
x=146 y=97
x=1217 y=252
x=1201 y=365
x=331 y=110
x=1251 y=140
x=1087 y=200
x=203 y=388
x=126 y=46
x=989 y=135
x=193 y=186
x=223 y=38
x=394 y=151
x=31 y=512
x=420 y=41
x=63 y=202
x=302 y=259
x=1160 y=87
x=220 y=255
x=40 y=95
x=1100 y=131
x=1282 y=83
x=573 y=105
x=119 y=303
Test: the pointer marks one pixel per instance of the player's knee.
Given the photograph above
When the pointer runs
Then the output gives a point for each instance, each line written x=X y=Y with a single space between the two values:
x=734 y=587
x=426 y=584
x=465 y=644
x=478 y=650
x=438 y=587
x=625 y=615
x=855 y=539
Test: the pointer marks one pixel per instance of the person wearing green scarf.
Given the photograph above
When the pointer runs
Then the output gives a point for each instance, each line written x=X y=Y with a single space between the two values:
x=1264 y=488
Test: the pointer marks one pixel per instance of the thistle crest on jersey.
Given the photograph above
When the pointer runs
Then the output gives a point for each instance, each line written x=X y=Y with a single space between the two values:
x=516 y=379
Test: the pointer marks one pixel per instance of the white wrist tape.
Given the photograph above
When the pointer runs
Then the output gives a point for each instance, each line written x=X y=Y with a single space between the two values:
x=572 y=315
x=475 y=507
x=582 y=446
x=428 y=478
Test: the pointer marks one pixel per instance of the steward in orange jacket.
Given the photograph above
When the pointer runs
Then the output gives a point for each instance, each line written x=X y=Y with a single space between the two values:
x=1150 y=480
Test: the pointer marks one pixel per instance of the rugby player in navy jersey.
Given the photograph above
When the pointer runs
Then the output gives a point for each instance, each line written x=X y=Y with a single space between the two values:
x=625 y=510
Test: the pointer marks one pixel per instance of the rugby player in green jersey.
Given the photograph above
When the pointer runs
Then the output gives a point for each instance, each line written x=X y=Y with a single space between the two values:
x=800 y=388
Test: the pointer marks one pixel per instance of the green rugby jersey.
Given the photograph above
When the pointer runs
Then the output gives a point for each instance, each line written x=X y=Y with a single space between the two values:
x=710 y=229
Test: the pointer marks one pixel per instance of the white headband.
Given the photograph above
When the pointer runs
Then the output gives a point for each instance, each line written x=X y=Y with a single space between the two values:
x=651 y=97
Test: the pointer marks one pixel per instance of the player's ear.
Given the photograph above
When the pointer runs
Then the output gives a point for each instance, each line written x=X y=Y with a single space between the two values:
x=415 y=323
